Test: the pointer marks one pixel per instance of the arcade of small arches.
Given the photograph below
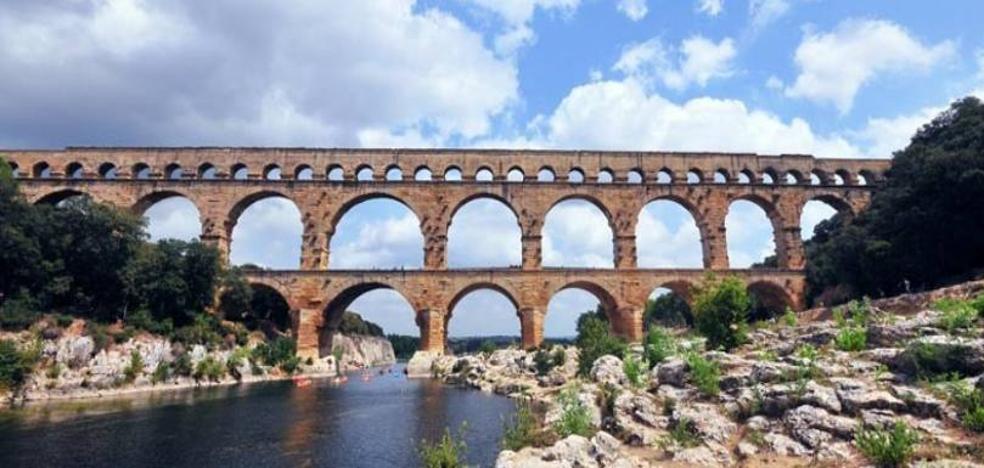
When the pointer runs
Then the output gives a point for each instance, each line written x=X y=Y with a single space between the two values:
x=527 y=183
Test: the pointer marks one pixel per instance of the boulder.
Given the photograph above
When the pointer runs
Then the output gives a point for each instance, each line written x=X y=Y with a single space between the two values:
x=710 y=424
x=421 y=364
x=75 y=351
x=783 y=445
x=940 y=354
x=855 y=396
x=672 y=372
x=810 y=417
x=608 y=369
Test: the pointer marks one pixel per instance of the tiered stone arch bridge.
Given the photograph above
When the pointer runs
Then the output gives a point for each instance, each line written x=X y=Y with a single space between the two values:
x=325 y=183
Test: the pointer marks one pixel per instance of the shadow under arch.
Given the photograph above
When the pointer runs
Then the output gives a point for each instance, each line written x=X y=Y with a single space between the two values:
x=768 y=300
x=58 y=196
x=269 y=310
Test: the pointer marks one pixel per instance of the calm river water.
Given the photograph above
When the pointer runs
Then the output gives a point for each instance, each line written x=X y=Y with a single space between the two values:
x=375 y=423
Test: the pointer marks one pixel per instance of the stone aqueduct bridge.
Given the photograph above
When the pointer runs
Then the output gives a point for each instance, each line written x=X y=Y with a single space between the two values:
x=325 y=183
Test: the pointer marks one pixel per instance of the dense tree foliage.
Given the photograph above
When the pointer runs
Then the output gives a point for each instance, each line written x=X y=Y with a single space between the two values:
x=594 y=340
x=721 y=307
x=923 y=227
x=93 y=261
x=354 y=324
x=668 y=310
x=404 y=346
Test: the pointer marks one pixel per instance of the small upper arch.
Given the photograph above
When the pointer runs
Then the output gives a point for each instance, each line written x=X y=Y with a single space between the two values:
x=605 y=176
x=484 y=174
x=41 y=170
x=303 y=172
x=74 y=171
x=721 y=176
x=769 y=176
x=394 y=173
x=335 y=173
x=363 y=173
x=423 y=174
x=664 y=176
x=515 y=174
x=239 y=171
x=695 y=176
x=173 y=171
x=793 y=177
x=546 y=174
x=453 y=174
x=272 y=172
x=207 y=171
x=107 y=170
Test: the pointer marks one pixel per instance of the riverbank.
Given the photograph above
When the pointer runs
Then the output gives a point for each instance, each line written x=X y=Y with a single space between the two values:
x=797 y=394
x=72 y=365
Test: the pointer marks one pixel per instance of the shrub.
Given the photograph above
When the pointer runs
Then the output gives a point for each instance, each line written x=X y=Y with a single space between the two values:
x=634 y=370
x=54 y=371
x=956 y=314
x=161 y=373
x=209 y=368
x=63 y=320
x=705 y=374
x=291 y=365
x=100 y=336
x=574 y=417
x=720 y=311
x=448 y=452
x=134 y=368
x=18 y=311
x=205 y=330
x=595 y=341
x=521 y=430
x=851 y=338
x=235 y=360
x=684 y=433
x=17 y=363
x=544 y=361
x=888 y=448
x=969 y=402
x=275 y=352
x=789 y=317
x=142 y=320
x=659 y=345
x=182 y=365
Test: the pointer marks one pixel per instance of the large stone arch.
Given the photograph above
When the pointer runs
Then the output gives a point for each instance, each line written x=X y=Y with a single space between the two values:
x=502 y=288
x=241 y=205
x=703 y=227
x=498 y=222
x=334 y=216
x=339 y=302
x=776 y=219
x=771 y=296
x=610 y=220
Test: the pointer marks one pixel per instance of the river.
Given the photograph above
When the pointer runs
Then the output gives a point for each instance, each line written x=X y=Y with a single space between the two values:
x=375 y=423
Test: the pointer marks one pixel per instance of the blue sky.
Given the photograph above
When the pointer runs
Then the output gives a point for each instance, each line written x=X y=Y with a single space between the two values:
x=831 y=78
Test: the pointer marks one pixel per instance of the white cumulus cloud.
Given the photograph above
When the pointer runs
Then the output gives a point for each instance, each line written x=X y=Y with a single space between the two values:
x=635 y=10
x=695 y=62
x=710 y=7
x=833 y=66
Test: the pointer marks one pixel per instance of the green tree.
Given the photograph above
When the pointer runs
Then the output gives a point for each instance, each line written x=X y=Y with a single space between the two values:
x=720 y=311
x=922 y=228
x=668 y=310
x=174 y=279
x=594 y=341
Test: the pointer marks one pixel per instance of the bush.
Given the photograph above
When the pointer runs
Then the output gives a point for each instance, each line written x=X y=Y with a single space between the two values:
x=235 y=360
x=448 y=452
x=595 y=341
x=204 y=330
x=182 y=365
x=888 y=448
x=17 y=363
x=18 y=312
x=956 y=314
x=659 y=345
x=720 y=311
x=99 y=334
x=789 y=317
x=54 y=371
x=209 y=368
x=634 y=370
x=521 y=430
x=275 y=352
x=291 y=365
x=134 y=368
x=970 y=403
x=574 y=417
x=161 y=373
x=684 y=433
x=142 y=320
x=851 y=339
x=705 y=374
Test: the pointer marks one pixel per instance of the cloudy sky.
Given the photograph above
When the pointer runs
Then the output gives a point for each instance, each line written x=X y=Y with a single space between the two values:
x=836 y=78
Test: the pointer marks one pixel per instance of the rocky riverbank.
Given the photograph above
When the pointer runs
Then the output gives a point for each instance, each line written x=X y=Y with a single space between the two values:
x=790 y=397
x=71 y=365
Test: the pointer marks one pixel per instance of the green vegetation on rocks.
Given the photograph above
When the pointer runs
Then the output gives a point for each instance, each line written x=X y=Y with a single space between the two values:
x=888 y=448
x=721 y=307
